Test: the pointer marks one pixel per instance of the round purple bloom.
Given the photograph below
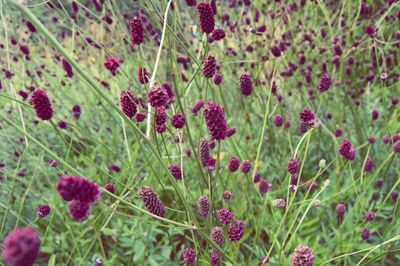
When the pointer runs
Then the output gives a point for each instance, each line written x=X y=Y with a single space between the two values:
x=233 y=164
x=227 y=195
x=110 y=187
x=157 y=96
x=189 y=256
x=347 y=150
x=365 y=234
x=225 y=216
x=215 y=259
x=236 y=232
x=308 y=117
x=264 y=186
x=197 y=107
x=302 y=256
x=217 y=78
x=371 y=30
x=276 y=51
x=245 y=167
x=293 y=166
x=43 y=211
x=217 y=34
x=21 y=247
x=396 y=146
x=178 y=121
x=278 y=121
x=340 y=210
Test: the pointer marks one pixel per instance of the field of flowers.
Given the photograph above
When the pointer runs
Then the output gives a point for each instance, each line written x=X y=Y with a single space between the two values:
x=184 y=132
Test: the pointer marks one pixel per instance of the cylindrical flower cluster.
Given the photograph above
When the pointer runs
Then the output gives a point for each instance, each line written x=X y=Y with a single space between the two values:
x=204 y=152
x=151 y=201
x=203 y=206
x=207 y=22
x=302 y=256
x=245 y=84
x=136 y=31
x=347 y=150
x=215 y=120
x=236 y=232
x=209 y=66
x=42 y=105
x=127 y=104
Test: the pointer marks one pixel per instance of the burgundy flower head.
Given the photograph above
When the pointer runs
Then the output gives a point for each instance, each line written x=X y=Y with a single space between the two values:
x=157 y=96
x=396 y=147
x=206 y=15
x=127 y=103
x=136 y=31
x=209 y=66
x=226 y=195
x=78 y=188
x=178 y=121
x=42 y=105
x=340 y=210
x=112 y=64
x=204 y=152
x=371 y=30
x=151 y=201
x=143 y=76
x=278 y=121
x=347 y=150
x=308 y=117
x=245 y=167
x=236 y=232
x=275 y=50
x=302 y=256
x=79 y=210
x=218 y=78
x=217 y=235
x=30 y=26
x=233 y=164
x=264 y=186
x=215 y=259
x=43 y=211
x=67 y=68
x=198 y=105
x=365 y=234
x=21 y=247
x=176 y=171
x=215 y=120
x=225 y=216
x=110 y=187
x=203 y=206
x=189 y=256
x=293 y=166
x=325 y=83
x=217 y=34
x=245 y=84
x=161 y=118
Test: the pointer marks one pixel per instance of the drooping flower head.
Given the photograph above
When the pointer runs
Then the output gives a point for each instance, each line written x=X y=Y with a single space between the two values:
x=207 y=22
x=215 y=120
x=127 y=103
x=136 y=31
x=302 y=256
x=78 y=188
x=245 y=84
x=21 y=247
x=42 y=105
x=151 y=201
